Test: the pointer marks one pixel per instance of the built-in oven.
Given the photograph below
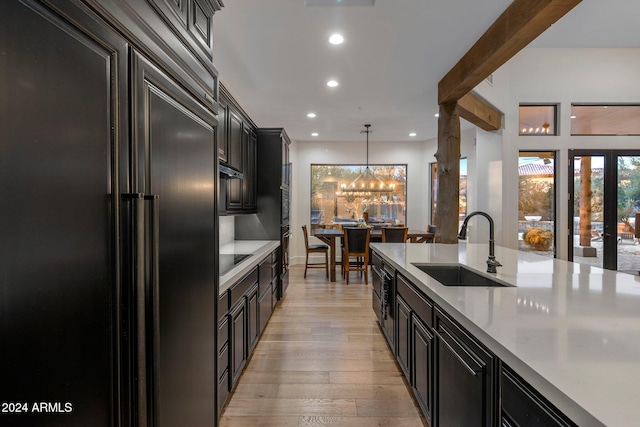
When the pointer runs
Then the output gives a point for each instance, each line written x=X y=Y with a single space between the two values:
x=284 y=259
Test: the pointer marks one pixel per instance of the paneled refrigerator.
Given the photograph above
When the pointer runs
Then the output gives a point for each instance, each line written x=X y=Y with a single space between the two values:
x=107 y=230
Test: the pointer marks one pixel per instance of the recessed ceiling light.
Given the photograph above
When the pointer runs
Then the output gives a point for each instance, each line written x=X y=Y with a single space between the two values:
x=314 y=134
x=332 y=83
x=336 y=39
x=412 y=134
x=311 y=115
x=573 y=117
x=436 y=115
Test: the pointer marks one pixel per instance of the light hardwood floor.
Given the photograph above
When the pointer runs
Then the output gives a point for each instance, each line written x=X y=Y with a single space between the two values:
x=322 y=360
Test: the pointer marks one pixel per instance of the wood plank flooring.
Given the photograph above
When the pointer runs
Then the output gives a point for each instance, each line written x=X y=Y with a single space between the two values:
x=322 y=361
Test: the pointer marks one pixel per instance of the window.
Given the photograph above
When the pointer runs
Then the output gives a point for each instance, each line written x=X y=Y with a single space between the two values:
x=538 y=120
x=462 y=200
x=605 y=119
x=536 y=202
x=344 y=194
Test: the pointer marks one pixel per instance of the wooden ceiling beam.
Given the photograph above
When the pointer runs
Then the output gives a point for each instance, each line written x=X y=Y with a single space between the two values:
x=519 y=25
x=478 y=112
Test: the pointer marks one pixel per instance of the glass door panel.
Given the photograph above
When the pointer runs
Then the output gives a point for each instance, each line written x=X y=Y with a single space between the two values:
x=605 y=204
x=588 y=209
x=536 y=202
x=628 y=182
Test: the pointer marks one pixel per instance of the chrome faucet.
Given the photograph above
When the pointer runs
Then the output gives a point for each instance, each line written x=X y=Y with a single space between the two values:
x=492 y=263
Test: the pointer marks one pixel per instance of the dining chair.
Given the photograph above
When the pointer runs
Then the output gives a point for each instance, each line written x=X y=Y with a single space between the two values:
x=394 y=234
x=310 y=249
x=431 y=229
x=355 y=254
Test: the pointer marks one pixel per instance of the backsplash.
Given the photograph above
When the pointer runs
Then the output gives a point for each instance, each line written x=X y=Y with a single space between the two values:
x=227 y=230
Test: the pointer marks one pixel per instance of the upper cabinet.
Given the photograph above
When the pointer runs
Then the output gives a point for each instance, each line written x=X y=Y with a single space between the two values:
x=237 y=149
x=177 y=34
x=192 y=20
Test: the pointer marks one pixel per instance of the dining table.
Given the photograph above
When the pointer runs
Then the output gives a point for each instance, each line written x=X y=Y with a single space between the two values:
x=330 y=235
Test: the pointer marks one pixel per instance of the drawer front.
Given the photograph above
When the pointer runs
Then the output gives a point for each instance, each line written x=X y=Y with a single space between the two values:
x=265 y=307
x=223 y=332
x=238 y=290
x=418 y=302
x=223 y=305
x=223 y=360
x=376 y=260
x=223 y=390
x=267 y=273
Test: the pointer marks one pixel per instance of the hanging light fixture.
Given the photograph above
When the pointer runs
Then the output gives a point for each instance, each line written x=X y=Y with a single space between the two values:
x=367 y=182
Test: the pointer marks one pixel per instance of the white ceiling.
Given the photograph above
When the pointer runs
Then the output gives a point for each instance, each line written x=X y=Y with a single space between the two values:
x=274 y=57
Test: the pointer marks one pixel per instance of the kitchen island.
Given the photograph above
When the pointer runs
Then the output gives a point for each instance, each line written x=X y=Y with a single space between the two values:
x=571 y=331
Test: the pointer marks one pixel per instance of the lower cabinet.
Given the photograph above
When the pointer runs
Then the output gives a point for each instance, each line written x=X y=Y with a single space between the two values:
x=522 y=406
x=465 y=378
x=456 y=381
x=403 y=339
x=253 y=319
x=244 y=311
x=238 y=337
x=422 y=365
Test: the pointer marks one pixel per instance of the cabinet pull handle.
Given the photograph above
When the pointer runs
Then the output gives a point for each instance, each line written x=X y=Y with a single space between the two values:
x=153 y=291
x=473 y=371
x=138 y=328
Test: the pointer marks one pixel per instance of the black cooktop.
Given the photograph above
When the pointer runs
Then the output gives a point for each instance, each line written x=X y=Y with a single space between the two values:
x=228 y=261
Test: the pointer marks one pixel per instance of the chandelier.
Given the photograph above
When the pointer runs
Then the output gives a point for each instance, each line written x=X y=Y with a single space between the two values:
x=367 y=183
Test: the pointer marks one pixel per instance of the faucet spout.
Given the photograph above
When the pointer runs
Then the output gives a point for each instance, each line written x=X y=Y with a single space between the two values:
x=492 y=262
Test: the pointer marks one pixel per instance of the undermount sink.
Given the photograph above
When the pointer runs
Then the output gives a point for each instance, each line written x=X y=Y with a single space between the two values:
x=458 y=275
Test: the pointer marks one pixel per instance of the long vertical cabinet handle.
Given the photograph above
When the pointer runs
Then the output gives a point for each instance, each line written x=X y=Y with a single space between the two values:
x=153 y=293
x=137 y=314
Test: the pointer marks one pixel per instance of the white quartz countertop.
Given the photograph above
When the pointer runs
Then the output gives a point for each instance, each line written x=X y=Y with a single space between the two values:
x=258 y=249
x=571 y=330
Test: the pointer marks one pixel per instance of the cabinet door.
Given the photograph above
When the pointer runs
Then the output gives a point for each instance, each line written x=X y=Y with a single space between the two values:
x=60 y=129
x=265 y=307
x=221 y=131
x=464 y=386
x=524 y=407
x=235 y=140
x=403 y=338
x=286 y=165
x=249 y=194
x=175 y=147
x=238 y=340
x=422 y=365
x=253 y=319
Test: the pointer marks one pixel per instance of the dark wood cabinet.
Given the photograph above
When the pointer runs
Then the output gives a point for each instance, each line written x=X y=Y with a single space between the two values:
x=414 y=318
x=522 y=406
x=422 y=365
x=238 y=336
x=403 y=336
x=235 y=140
x=250 y=166
x=272 y=201
x=237 y=149
x=253 y=319
x=466 y=383
x=221 y=132
x=268 y=280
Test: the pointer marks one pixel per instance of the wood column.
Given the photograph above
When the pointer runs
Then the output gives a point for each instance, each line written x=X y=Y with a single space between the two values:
x=448 y=158
x=585 y=201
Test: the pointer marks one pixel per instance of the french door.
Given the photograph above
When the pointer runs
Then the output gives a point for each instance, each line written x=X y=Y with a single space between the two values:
x=604 y=200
